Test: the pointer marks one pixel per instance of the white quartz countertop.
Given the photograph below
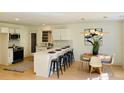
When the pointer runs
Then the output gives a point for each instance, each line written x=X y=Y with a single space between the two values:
x=48 y=50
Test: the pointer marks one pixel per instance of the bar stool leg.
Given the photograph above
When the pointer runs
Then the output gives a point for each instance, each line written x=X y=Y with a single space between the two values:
x=66 y=62
x=61 y=67
x=54 y=66
x=69 y=61
x=73 y=57
x=64 y=65
x=57 y=69
x=50 y=69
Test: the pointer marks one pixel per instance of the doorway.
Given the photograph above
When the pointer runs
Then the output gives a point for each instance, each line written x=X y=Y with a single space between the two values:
x=33 y=42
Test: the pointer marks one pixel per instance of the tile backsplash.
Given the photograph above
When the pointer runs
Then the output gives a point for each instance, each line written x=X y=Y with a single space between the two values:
x=14 y=42
x=62 y=43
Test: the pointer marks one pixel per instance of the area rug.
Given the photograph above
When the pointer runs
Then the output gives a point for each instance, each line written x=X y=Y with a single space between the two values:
x=21 y=67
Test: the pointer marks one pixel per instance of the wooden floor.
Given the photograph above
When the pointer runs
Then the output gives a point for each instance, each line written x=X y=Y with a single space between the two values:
x=75 y=72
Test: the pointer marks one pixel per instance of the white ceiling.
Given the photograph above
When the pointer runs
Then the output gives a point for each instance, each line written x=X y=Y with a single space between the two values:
x=39 y=18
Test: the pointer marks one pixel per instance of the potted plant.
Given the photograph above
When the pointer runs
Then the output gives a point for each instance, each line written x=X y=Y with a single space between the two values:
x=95 y=44
x=95 y=47
x=93 y=36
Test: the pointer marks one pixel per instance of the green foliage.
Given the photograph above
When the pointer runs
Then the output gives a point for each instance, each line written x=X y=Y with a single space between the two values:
x=95 y=44
x=96 y=47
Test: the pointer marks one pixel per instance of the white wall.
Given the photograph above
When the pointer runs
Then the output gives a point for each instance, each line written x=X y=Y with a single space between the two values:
x=112 y=42
x=123 y=43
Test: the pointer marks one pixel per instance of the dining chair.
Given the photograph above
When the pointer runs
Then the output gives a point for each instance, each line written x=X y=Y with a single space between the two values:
x=95 y=62
x=84 y=62
x=110 y=63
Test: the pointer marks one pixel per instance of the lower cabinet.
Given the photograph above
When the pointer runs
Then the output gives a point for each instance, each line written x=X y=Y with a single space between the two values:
x=56 y=35
x=10 y=57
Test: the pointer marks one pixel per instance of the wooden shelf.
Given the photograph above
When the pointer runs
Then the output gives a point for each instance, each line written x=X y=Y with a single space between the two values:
x=46 y=36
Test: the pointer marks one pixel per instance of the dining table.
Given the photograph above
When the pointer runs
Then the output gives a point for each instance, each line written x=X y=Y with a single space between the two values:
x=103 y=57
x=87 y=56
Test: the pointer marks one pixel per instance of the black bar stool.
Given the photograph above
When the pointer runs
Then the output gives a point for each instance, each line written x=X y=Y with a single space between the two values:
x=55 y=65
x=65 y=61
x=66 y=57
x=72 y=56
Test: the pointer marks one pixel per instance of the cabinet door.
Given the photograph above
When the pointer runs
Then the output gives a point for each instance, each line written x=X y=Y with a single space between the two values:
x=64 y=34
x=10 y=59
x=56 y=34
x=17 y=30
x=11 y=30
x=14 y=30
x=4 y=30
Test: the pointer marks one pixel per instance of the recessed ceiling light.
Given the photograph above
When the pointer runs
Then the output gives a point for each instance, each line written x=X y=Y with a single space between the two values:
x=82 y=19
x=17 y=19
x=43 y=24
x=105 y=17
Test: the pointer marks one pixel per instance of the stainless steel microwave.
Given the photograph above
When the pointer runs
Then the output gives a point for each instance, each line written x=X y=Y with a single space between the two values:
x=14 y=36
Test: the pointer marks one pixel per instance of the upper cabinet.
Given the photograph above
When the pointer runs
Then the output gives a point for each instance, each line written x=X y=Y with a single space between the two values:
x=61 y=34
x=4 y=30
x=46 y=36
x=65 y=34
x=11 y=30
x=14 y=30
x=56 y=34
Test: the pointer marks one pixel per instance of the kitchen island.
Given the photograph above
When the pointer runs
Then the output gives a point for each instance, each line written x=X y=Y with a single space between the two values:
x=43 y=59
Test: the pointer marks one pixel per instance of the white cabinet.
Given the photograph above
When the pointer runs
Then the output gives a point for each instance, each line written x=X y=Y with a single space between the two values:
x=10 y=56
x=4 y=30
x=65 y=34
x=14 y=30
x=56 y=35
x=11 y=30
x=4 y=49
x=61 y=34
x=17 y=30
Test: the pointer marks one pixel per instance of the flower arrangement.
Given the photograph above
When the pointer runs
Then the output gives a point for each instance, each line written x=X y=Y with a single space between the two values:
x=94 y=37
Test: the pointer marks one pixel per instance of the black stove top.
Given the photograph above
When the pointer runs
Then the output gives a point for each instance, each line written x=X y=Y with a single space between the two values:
x=17 y=48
